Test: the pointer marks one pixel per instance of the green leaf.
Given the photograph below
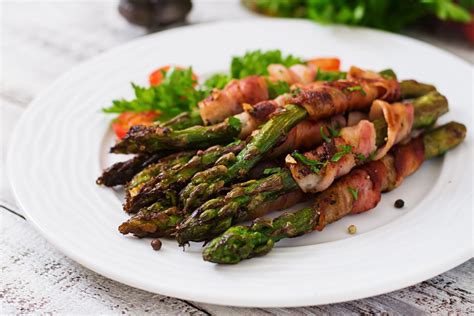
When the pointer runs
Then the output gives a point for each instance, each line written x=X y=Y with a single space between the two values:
x=330 y=75
x=234 y=122
x=356 y=88
x=334 y=132
x=326 y=139
x=315 y=165
x=277 y=88
x=176 y=94
x=353 y=192
x=344 y=150
x=268 y=171
x=361 y=157
x=256 y=63
x=217 y=81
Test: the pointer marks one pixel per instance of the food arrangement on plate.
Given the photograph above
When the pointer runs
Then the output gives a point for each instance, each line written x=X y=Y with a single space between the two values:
x=273 y=132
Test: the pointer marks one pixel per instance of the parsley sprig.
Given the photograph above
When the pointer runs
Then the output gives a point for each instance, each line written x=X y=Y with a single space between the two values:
x=176 y=94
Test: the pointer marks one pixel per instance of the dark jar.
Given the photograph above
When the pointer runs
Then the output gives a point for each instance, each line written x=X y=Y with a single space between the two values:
x=154 y=13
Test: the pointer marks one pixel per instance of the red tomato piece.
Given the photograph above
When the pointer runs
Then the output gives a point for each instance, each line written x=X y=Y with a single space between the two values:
x=125 y=120
x=326 y=64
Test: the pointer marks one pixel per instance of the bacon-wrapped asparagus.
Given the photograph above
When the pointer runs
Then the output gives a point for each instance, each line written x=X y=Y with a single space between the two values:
x=228 y=101
x=320 y=99
x=368 y=182
x=318 y=168
x=317 y=102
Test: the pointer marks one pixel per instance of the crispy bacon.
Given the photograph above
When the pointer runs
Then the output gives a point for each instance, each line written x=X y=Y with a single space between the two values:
x=355 y=144
x=307 y=134
x=368 y=181
x=228 y=101
x=325 y=99
x=334 y=159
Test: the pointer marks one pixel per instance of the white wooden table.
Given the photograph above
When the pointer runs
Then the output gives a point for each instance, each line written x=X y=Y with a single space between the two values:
x=41 y=40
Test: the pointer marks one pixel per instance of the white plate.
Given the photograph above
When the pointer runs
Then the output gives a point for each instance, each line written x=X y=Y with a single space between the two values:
x=60 y=143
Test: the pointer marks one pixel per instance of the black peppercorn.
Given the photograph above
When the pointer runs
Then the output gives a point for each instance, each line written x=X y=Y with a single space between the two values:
x=156 y=244
x=399 y=203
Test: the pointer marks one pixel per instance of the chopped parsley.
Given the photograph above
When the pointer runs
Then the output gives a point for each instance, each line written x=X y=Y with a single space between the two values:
x=361 y=157
x=388 y=74
x=345 y=149
x=314 y=165
x=322 y=75
x=271 y=170
x=323 y=135
x=353 y=192
x=234 y=122
x=372 y=155
x=334 y=132
x=217 y=81
x=356 y=88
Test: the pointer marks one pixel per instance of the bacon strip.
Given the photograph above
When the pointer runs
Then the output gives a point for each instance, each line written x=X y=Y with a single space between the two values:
x=228 y=101
x=325 y=99
x=399 y=118
x=325 y=163
x=369 y=181
x=306 y=135
x=221 y=104
x=337 y=157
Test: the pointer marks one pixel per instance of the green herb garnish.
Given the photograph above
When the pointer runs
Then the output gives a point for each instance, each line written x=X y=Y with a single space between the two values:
x=388 y=74
x=361 y=157
x=322 y=75
x=353 y=192
x=383 y=14
x=372 y=155
x=315 y=165
x=356 y=88
x=217 y=81
x=271 y=170
x=326 y=139
x=256 y=63
x=345 y=149
x=334 y=132
x=176 y=94
x=234 y=122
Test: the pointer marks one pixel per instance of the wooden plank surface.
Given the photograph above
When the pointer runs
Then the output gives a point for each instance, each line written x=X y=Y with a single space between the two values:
x=40 y=40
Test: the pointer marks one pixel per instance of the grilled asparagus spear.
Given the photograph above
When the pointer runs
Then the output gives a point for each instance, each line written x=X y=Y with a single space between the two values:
x=176 y=176
x=243 y=242
x=122 y=172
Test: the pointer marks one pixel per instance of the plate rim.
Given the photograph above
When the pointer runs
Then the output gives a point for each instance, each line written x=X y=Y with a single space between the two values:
x=448 y=264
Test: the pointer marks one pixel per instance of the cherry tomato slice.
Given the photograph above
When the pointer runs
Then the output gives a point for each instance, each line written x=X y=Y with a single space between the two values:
x=125 y=120
x=326 y=64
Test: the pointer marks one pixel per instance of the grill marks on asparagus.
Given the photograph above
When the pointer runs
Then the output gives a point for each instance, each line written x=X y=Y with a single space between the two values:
x=168 y=183
x=370 y=180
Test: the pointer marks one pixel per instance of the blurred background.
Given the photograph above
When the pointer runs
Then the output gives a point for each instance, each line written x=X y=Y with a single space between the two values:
x=51 y=36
